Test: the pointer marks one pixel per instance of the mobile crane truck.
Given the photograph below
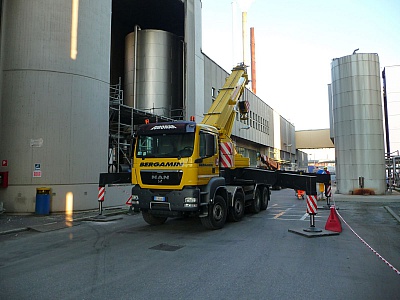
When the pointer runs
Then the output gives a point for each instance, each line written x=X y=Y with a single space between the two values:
x=187 y=168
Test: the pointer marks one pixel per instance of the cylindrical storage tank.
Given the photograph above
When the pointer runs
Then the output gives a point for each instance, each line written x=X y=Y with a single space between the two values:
x=392 y=74
x=331 y=120
x=159 y=73
x=358 y=123
x=55 y=58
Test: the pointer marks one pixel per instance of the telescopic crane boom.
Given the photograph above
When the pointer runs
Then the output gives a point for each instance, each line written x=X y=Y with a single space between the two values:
x=222 y=112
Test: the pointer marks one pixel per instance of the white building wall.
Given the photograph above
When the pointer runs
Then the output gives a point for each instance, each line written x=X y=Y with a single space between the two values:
x=54 y=105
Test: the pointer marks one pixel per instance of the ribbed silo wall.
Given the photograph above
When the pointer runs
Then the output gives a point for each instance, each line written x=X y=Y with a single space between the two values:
x=54 y=106
x=159 y=86
x=331 y=120
x=393 y=104
x=358 y=123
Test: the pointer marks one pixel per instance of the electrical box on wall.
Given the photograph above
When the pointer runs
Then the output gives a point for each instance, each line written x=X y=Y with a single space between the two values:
x=3 y=179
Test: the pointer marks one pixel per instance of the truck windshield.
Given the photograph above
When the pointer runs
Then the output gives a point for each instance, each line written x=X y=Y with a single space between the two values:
x=165 y=145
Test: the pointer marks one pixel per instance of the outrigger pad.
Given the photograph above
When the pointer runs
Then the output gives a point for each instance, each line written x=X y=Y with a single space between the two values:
x=310 y=234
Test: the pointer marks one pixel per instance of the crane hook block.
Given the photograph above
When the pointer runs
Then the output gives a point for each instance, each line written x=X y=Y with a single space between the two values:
x=244 y=107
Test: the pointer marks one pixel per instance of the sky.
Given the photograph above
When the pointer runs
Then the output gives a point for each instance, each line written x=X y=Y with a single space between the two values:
x=295 y=43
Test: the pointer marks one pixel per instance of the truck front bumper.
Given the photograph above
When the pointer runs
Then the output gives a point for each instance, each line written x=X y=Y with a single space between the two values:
x=185 y=200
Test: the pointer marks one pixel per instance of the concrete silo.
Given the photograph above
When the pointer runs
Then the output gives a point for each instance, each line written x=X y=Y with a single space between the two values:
x=55 y=63
x=358 y=123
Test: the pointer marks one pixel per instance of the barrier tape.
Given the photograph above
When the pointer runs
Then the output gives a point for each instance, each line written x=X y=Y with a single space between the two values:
x=129 y=195
x=366 y=244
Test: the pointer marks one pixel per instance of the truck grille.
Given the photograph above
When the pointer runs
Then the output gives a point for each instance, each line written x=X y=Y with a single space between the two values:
x=161 y=178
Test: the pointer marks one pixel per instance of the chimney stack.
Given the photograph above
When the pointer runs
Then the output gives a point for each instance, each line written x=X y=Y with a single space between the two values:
x=244 y=35
x=253 y=60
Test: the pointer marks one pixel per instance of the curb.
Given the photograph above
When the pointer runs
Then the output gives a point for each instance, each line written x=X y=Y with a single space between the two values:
x=16 y=230
x=21 y=229
x=392 y=213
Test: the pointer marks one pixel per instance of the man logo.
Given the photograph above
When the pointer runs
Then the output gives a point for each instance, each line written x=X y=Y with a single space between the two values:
x=160 y=178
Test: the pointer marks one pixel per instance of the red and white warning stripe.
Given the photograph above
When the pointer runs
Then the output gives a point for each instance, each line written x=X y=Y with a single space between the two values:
x=312 y=204
x=226 y=151
x=372 y=249
x=226 y=148
x=129 y=201
x=328 y=192
x=101 y=193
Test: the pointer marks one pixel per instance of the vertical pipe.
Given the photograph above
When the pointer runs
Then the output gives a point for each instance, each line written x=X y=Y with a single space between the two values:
x=244 y=35
x=253 y=60
x=233 y=33
x=386 y=113
x=183 y=113
x=135 y=66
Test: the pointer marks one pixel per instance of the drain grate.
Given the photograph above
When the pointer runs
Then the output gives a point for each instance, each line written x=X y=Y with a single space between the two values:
x=166 y=247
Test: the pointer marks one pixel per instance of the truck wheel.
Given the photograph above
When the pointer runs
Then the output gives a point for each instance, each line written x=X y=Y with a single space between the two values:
x=217 y=213
x=256 y=203
x=236 y=212
x=264 y=199
x=153 y=220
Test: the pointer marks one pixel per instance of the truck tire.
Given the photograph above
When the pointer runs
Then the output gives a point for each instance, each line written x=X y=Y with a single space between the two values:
x=264 y=199
x=236 y=212
x=255 y=206
x=217 y=213
x=153 y=220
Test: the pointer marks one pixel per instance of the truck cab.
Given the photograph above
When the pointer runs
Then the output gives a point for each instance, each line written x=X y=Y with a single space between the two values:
x=173 y=166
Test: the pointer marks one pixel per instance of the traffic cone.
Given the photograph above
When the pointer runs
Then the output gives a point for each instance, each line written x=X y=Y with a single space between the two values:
x=333 y=222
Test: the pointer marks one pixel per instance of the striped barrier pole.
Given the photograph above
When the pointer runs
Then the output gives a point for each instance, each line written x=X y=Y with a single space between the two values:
x=312 y=211
x=328 y=194
x=100 y=198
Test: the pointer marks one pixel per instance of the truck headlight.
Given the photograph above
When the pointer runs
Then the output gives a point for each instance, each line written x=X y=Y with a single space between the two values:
x=135 y=199
x=190 y=200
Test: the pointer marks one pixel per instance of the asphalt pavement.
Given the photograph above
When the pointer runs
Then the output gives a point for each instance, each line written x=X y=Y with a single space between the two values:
x=14 y=223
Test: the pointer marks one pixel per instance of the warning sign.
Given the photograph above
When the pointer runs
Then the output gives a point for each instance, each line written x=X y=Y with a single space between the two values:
x=37 y=172
x=129 y=201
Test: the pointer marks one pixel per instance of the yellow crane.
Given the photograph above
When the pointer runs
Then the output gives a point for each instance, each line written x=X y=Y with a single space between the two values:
x=185 y=168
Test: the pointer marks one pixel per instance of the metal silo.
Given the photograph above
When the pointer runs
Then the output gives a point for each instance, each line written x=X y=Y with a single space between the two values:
x=158 y=61
x=358 y=123
x=55 y=58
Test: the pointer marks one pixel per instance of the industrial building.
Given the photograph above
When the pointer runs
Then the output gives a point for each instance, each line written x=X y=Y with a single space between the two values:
x=77 y=77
